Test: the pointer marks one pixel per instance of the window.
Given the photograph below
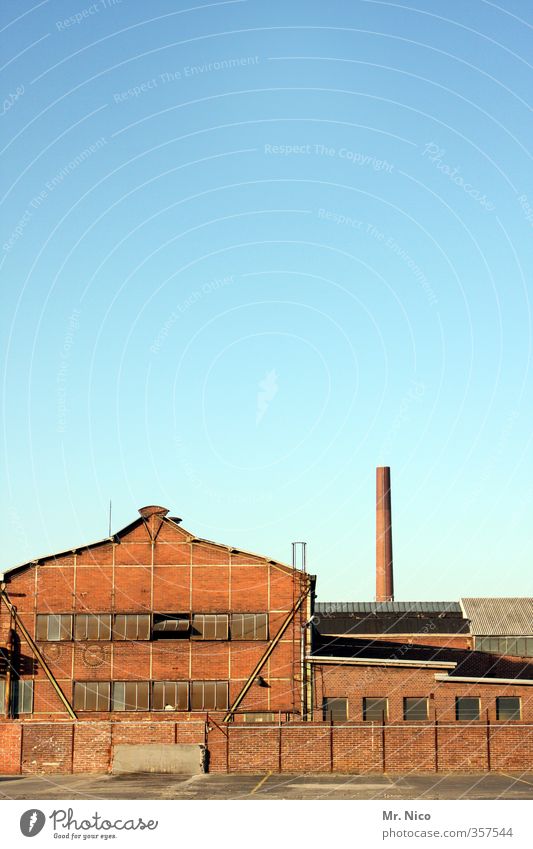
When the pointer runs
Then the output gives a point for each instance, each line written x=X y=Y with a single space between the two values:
x=375 y=709
x=132 y=626
x=91 y=695
x=249 y=626
x=54 y=626
x=22 y=696
x=517 y=646
x=466 y=708
x=170 y=695
x=171 y=626
x=259 y=717
x=209 y=695
x=508 y=707
x=92 y=626
x=131 y=695
x=210 y=626
x=415 y=708
x=335 y=709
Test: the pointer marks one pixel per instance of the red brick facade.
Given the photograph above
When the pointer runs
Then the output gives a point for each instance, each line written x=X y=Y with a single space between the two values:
x=155 y=566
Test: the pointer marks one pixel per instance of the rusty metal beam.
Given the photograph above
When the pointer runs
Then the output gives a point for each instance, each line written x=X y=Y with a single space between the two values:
x=40 y=657
x=258 y=667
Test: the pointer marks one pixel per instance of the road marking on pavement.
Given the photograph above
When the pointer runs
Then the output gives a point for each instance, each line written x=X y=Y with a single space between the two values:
x=517 y=779
x=260 y=783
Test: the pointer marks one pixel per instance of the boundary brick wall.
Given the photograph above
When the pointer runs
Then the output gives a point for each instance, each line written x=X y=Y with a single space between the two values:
x=63 y=747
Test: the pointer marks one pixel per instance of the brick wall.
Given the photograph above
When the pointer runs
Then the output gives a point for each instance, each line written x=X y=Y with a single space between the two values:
x=350 y=748
x=157 y=566
x=394 y=683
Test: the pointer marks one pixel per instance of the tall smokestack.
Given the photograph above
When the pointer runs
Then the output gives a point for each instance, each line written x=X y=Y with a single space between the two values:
x=384 y=581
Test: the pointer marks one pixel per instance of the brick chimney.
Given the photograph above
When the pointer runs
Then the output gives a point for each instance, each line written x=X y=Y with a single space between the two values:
x=384 y=581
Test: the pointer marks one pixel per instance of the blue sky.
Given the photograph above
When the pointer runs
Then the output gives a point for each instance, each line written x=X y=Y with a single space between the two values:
x=249 y=252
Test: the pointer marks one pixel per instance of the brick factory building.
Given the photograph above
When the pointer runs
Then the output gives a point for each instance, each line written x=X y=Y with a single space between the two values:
x=155 y=638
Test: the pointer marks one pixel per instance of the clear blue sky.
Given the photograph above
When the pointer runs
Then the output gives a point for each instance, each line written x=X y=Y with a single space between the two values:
x=252 y=250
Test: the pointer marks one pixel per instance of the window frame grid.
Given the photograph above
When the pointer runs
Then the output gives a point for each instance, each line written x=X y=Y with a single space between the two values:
x=127 y=707
x=86 y=685
x=115 y=634
x=57 y=616
x=204 y=617
x=166 y=684
x=93 y=616
x=256 y=616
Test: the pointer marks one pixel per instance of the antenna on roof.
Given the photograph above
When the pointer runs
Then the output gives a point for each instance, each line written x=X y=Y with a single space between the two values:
x=109 y=517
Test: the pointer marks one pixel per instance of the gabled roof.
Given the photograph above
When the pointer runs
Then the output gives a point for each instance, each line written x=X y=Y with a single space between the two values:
x=146 y=512
x=497 y=617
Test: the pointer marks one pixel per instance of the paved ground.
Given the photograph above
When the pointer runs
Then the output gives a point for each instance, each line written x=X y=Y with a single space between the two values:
x=492 y=786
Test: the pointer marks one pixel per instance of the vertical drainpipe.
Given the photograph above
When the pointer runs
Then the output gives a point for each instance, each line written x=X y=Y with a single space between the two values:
x=10 y=646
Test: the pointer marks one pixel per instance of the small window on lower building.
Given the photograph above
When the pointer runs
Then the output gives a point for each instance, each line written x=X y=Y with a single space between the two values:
x=375 y=709
x=415 y=708
x=92 y=695
x=508 y=707
x=466 y=708
x=335 y=709
x=170 y=695
x=209 y=695
x=131 y=626
x=22 y=696
x=131 y=695
x=259 y=717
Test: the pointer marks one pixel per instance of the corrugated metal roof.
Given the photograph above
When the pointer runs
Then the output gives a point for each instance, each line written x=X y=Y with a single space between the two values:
x=348 y=607
x=499 y=617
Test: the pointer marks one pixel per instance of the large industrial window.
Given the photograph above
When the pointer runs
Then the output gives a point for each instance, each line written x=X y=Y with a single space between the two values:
x=209 y=695
x=375 y=709
x=22 y=696
x=171 y=626
x=515 y=646
x=415 y=709
x=54 y=626
x=131 y=626
x=92 y=626
x=466 y=708
x=335 y=709
x=210 y=626
x=92 y=695
x=170 y=695
x=131 y=695
x=249 y=626
x=508 y=707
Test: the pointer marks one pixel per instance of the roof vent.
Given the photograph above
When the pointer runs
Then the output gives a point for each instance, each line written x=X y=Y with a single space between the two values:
x=152 y=510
